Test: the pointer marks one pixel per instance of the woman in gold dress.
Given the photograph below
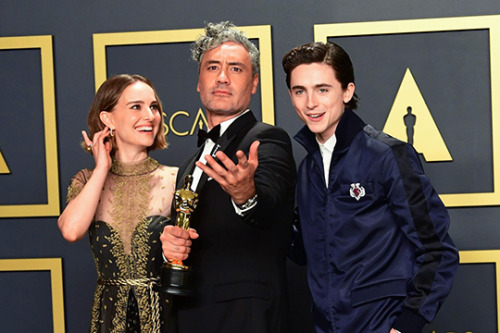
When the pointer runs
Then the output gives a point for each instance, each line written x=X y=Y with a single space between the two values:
x=124 y=204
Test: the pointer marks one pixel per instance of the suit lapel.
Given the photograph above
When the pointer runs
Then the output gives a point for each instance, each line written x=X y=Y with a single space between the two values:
x=229 y=141
x=232 y=137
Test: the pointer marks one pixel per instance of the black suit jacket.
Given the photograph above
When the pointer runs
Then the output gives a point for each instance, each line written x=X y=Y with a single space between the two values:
x=240 y=262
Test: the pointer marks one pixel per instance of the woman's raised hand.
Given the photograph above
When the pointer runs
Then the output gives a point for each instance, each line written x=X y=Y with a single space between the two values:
x=99 y=148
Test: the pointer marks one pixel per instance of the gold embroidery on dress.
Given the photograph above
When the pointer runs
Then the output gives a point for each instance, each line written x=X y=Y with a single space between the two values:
x=130 y=196
x=98 y=291
x=123 y=263
x=142 y=247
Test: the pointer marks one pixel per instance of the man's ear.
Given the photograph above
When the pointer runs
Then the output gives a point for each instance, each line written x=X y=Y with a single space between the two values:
x=107 y=118
x=255 y=83
x=349 y=92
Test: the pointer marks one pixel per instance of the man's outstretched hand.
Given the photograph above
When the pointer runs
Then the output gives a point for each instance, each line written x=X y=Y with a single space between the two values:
x=236 y=179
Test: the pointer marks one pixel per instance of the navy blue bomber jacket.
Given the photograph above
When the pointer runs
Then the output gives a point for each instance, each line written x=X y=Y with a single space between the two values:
x=376 y=240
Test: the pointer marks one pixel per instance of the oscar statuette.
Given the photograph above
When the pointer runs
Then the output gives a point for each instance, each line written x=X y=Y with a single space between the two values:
x=176 y=278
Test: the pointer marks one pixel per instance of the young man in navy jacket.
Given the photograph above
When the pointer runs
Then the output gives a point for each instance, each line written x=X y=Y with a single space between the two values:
x=371 y=229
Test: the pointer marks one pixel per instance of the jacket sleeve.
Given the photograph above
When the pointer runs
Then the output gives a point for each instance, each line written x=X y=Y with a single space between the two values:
x=274 y=178
x=296 y=252
x=424 y=220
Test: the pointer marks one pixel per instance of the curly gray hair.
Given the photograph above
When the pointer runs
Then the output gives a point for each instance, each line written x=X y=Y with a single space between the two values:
x=219 y=33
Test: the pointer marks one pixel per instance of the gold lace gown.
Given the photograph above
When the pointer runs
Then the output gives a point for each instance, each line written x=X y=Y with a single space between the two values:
x=134 y=207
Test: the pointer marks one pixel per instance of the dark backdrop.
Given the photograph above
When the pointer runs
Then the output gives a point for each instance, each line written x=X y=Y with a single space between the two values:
x=454 y=70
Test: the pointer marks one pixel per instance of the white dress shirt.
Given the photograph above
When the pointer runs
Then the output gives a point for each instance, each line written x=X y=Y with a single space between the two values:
x=326 y=150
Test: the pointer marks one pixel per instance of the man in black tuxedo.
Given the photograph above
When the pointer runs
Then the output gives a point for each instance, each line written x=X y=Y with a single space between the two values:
x=245 y=182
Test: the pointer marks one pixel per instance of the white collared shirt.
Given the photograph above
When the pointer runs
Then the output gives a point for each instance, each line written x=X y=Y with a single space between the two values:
x=326 y=150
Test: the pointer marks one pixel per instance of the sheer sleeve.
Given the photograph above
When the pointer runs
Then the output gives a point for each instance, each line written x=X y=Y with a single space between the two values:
x=77 y=183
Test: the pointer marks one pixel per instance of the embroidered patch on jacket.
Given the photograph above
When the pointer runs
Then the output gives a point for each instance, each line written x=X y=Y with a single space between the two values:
x=357 y=191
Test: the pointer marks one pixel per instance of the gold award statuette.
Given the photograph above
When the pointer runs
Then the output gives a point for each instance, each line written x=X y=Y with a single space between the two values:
x=176 y=278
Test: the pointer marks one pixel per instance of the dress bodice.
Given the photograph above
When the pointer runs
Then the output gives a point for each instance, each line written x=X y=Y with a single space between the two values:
x=132 y=191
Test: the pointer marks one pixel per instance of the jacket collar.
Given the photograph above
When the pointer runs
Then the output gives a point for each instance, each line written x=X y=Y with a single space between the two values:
x=349 y=126
x=245 y=119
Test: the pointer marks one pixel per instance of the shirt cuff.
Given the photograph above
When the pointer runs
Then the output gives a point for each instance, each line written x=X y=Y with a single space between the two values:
x=247 y=206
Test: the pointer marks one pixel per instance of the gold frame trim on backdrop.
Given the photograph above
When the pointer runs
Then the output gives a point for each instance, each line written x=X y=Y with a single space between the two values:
x=54 y=266
x=485 y=257
x=260 y=32
x=488 y=22
x=51 y=208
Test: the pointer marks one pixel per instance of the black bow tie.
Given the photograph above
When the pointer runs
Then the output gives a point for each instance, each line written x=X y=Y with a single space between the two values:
x=213 y=134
